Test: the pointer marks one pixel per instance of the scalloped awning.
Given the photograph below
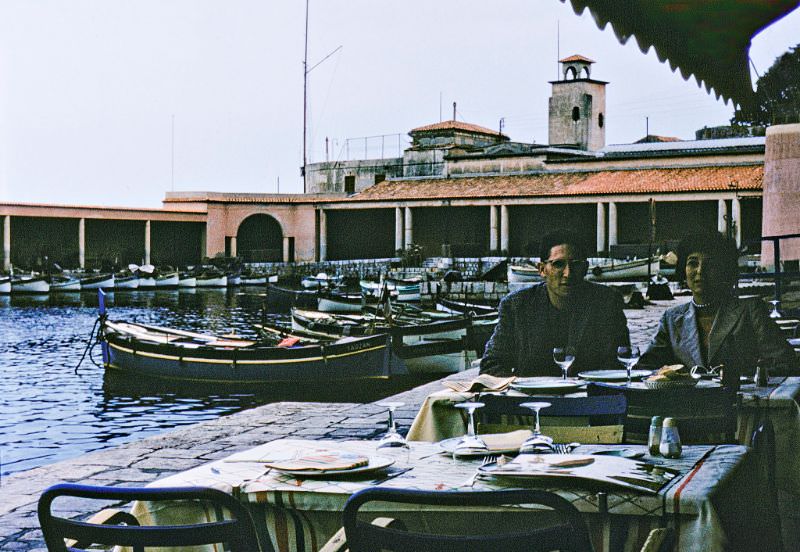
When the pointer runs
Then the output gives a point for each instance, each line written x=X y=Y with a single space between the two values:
x=707 y=39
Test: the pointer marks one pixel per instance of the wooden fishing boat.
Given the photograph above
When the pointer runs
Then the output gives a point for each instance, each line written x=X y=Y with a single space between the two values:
x=320 y=281
x=187 y=280
x=211 y=277
x=62 y=283
x=613 y=269
x=464 y=307
x=29 y=284
x=166 y=354
x=424 y=345
x=126 y=280
x=167 y=280
x=407 y=290
x=5 y=284
x=283 y=298
x=523 y=273
x=334 y=301
x=98 y=281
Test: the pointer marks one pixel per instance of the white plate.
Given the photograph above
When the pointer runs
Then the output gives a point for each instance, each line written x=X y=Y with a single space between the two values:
x=613 y=375
x=449 y=446
x=539 y=385
x=375 y=463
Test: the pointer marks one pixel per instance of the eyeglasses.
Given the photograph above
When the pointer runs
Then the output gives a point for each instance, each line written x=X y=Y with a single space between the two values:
x=561 y=264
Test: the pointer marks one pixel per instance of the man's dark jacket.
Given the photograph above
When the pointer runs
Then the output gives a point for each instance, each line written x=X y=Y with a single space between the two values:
x=598 y=326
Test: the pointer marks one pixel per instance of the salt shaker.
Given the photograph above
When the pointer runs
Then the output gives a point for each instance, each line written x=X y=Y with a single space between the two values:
x=670 y=446
x=654 y=438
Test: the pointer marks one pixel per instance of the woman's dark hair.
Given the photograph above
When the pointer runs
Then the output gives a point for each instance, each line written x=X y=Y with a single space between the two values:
x=559 y=237
x=722 y=249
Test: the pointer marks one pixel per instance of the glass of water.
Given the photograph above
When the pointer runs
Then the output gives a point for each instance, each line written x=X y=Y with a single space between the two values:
x=564 y=357
x=628 y=356
x=392 y=437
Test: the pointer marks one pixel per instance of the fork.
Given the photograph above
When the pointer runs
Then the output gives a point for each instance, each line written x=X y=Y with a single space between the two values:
x=491 y=459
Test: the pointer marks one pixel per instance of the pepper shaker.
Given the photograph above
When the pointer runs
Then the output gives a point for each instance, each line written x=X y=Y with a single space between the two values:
x=654 y=438
x=670 y=446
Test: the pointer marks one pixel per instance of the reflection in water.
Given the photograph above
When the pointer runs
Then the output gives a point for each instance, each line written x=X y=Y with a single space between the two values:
x=48 y=413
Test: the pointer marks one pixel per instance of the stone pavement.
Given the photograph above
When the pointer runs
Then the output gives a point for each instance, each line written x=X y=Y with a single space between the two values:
x=140 y=462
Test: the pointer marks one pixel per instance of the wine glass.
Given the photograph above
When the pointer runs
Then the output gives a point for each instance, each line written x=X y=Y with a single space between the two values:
x=470 y=443
x=392 y=438
x=564 y=357
x=774 y=312
x=536 y=442
x=629 y=356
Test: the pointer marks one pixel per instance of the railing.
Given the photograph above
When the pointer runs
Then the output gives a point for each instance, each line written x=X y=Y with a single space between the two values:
x=778 y=274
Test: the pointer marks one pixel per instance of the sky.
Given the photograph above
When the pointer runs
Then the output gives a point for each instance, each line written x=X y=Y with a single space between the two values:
x=116 y=102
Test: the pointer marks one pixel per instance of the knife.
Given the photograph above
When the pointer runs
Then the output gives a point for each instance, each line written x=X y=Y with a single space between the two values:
x=390 y=475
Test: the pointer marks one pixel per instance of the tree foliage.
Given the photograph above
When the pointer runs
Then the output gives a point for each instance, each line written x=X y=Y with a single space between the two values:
x=777 y=97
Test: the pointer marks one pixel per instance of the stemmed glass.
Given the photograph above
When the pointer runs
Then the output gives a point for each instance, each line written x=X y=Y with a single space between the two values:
x=564 y=357
x=775 y=313
x=629 y=356
x=392 y=438
x=536 y=442
x=470 y=443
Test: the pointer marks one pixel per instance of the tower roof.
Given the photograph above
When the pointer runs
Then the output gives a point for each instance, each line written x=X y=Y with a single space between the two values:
x=576 y=57
x=456 y=125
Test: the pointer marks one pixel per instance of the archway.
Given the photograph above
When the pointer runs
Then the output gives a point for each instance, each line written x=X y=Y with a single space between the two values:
x=260 y=240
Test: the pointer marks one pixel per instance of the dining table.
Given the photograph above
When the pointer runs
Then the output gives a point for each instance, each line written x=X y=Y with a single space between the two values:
x=778 y=401
x=713 y=499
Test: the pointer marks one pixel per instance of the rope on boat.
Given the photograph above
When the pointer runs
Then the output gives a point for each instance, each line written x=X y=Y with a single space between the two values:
x=94 y=339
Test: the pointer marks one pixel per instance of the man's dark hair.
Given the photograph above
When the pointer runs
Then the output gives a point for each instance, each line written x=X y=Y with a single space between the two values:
x=722 y=249
x=559 y=237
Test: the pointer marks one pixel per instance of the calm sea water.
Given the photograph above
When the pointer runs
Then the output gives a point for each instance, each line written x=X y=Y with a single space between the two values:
x=49 y=413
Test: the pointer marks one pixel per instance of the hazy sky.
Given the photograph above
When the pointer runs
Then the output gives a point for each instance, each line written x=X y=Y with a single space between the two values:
x=89 y=89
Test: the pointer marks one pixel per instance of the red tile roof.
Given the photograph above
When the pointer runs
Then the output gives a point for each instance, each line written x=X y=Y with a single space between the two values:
x=631 y=181
x=456 y=125
x=576 y=57
x=650 y=138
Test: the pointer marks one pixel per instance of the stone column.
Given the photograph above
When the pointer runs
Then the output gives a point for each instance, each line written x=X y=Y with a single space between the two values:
x=323 y=235
x=233 y=246
x=736 y=220
x=504 y=229
x=7 y=242
x=781 y=198
x=286 y=249
x=493 y=223
x=722 y=217
x=612 y=224
x=601 y=227
x=147 y=242
x=82 y=243
x=409 y=228
x=398 y=228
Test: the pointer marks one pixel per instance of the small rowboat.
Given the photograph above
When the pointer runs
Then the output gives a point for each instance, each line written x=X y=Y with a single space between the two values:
x=333 y=301
x=212 y=278
x=64 y=283
x=187 y=280
x=523 y=273
x=30 y=284
x=612 y=269
x=5 y=284
x=407 y=290
x=284 y=298
x=168 y=280
x=126 y=280
x=98 y=281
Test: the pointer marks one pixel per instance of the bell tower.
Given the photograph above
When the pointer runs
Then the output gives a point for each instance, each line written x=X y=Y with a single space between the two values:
x=577 y=107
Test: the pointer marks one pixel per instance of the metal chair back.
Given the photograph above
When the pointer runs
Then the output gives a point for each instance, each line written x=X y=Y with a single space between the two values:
x=566 y=532
x=237 y=531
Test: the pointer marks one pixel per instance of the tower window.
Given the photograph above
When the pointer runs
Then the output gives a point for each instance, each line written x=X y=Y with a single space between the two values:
x=350 y=184
x=601 y=120
x=576 y=113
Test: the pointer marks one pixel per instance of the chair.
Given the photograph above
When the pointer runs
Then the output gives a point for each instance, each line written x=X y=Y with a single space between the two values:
x=602 y=417
x=567 y=533
x=239 y=532
x=705 y=415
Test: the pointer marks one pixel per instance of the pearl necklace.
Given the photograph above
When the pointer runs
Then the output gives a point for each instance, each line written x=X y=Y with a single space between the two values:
x=702 y=305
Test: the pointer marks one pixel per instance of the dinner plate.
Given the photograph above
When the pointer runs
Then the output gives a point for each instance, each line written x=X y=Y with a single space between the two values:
x=539 y=385
x=375 y=463
x=449 y=446
x=613 y=375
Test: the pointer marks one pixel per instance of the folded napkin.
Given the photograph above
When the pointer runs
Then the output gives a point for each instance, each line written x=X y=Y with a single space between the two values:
x=321 y=460
x=484 y=382
x=497 y=442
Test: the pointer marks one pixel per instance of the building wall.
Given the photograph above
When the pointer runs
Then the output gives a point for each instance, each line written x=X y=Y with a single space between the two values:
x=330 y=177
x=35 y=241
x=586 y=132
x=496 y=165
x=529 y=223
x=360 y=234
x=114 y=242
x=465 y=229
x=176 y=243
x=427 y=162
x=782 y=191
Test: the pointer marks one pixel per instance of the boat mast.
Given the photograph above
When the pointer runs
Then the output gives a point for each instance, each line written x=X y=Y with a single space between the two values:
x=305 y=99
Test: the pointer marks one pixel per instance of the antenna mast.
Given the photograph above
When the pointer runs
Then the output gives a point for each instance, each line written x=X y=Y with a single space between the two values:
x=305 y=100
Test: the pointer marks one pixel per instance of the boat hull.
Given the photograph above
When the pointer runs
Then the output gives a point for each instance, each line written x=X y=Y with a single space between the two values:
x=215 y=282
x=30 y=285
x=405 y=292
x=344 y=360
x=187 y=282
x=258 y=281
x=66 y=285
x=167 y=281
x=5 y=285
x=104 y=281
x=520 y=274
x=284 y=298
x=624 y=270
x=126 y=282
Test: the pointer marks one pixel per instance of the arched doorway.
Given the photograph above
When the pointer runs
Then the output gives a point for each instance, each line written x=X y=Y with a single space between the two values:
x=260 y=240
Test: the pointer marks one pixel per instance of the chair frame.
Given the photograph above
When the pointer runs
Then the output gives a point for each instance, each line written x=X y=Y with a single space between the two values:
x=238 y=532
x=571 y=534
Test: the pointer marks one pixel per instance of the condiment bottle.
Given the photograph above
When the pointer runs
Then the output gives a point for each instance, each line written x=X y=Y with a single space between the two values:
x=762 y=374
x=670 y=446
x=654 y=438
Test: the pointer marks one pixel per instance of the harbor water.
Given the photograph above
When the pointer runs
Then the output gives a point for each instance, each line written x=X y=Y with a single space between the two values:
x=50 y=412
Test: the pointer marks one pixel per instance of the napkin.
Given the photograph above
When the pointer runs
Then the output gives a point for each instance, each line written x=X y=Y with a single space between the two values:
x=321 y=460
x=484 y=382
x=497 y=442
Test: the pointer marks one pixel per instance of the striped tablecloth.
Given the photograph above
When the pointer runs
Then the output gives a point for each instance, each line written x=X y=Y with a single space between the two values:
x=714 y=502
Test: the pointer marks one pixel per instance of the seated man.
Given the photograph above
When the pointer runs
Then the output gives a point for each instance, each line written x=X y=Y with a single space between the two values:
x=716 y=327
x=564 y=311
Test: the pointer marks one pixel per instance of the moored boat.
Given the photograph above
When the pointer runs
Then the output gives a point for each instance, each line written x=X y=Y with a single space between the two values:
x=464 y=307
x=613 y=269
x=333 y=301
x=187 y=280
x=126 y=280
x=29 y=284
x=147 y=276
x=523 y=273
x=283 y=298
x=407 y=290
x=5 y=284
x=166 y=354
x=321 y=280
x=211 y=277
x=59 y=283
x=167 y=280
x=97 y=281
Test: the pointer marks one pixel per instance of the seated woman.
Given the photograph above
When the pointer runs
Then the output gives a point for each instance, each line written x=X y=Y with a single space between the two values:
x=716 y=327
